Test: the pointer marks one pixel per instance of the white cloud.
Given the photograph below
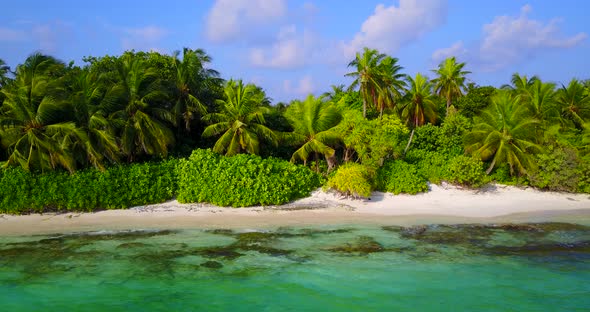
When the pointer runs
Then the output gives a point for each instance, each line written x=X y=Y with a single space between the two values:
x=143 y=38
x=303 y=87
x=46 y=36
x=148 y=33
x=390 y=28
x=291 y=49
x=457 y=49
x=509 y=40
x=227 y=19
x=310 y=8
x=7 y=34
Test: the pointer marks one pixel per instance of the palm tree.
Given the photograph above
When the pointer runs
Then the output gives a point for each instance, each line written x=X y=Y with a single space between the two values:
x=314 y=121
x=505 y=132
x=450 y=80
x=191 y=77
x=141 y=124
x=420 y=104
x=574 y=103
x=368 y=76
x=392 y=82
x=336 y=93
x=91 y=110
x=36 y=127
x=541 y=97
x=4 y=70
x=241 y=120
x=521 y=85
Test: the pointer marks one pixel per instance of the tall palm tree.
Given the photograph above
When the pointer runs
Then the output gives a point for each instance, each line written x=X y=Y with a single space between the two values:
x=336 y=93
x=142 y=125
x=4 y=71
x=419 y=104
x=521 y=85
x=392 y=83
x=541 y=97
x=36 y=127
x=450 y=80
x=504 y=133
x=191 y=80
x=574 y=103
x=314 y=121
x=91 y=110
x=367 y=76
x=241 y=120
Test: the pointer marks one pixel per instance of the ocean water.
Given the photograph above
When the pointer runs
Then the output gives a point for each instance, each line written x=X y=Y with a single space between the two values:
x=524 y=267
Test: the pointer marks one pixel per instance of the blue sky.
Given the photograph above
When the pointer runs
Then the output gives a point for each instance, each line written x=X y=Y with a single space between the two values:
x=295 y=47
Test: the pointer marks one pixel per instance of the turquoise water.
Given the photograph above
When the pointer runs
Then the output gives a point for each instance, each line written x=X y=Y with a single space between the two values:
x=527 y=267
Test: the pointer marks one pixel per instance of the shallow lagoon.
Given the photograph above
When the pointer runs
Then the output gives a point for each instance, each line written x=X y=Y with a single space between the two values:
x=525 y=267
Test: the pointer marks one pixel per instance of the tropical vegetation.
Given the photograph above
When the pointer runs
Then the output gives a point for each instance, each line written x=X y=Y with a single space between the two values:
x=70 y=129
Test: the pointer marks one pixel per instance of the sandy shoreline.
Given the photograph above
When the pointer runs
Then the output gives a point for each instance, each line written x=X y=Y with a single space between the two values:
x=442 y=204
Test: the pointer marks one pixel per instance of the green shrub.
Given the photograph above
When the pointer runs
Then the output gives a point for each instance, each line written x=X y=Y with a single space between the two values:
x=450 y=141
x=427 y=138
x=351 y=179
x=584 y=176
x=242 y=180
x=466 y=171
x=87 y=190
x=431 y=165
x=476 y=99
x=400 y=177
x=557 y=170
x=446 y=139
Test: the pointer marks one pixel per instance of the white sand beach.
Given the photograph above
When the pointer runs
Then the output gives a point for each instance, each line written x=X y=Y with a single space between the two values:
x=442 y=204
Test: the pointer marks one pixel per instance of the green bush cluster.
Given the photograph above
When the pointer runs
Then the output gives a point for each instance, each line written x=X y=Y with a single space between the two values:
x=560 y=169
x=431 y=165
x=351 y=179
x=398 y=177
x=242 y=180
x=584 y=177
x=446 y=139
x=437 y=167
x=466 y=171
x=87 y=190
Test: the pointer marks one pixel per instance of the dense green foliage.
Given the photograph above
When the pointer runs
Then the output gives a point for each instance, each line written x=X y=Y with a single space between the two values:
x=371 y=141
x=378 y=79
x=69 y=127
x=352 y=179
x=240 y=120
x=87 y=190
x=450 y=80
x=313 y=121
x=466 y=171
x=242 y=180
x=430 y=164
x=476 y=99
x=505 y=132
x=558 y=170
x=400 y=177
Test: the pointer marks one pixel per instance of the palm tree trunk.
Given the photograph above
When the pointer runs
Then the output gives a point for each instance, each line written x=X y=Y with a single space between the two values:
x=448 y=105
x=348 y=152
x=331 y=160
x=317 y=162
x=409 y=141
x=364 y=107
x=491 y=166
